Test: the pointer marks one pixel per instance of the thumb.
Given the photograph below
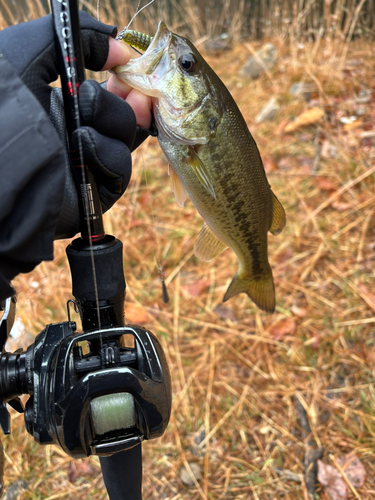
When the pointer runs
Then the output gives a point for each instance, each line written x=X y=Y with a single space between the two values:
x=95 y=42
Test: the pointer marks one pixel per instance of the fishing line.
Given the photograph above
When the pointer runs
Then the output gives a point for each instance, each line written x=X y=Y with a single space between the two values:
x=84 y=183
x=137 y=11
x=87 y=214
x=157 y=259
x=67 y=30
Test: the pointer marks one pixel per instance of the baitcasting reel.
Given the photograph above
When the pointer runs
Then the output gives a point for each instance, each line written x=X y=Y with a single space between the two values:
x=97 y=392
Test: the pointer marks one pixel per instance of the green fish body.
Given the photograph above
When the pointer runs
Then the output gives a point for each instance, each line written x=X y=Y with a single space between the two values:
x=213 y=159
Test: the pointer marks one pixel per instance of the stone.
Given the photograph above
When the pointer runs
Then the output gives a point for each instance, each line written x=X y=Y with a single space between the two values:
x=217 y=44
x=303 y=90
x=185 y=475
x=268 y=111
x=256 y=65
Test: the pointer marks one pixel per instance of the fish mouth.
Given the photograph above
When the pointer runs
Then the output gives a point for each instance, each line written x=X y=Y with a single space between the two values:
x=145 y=72
x=160 y=40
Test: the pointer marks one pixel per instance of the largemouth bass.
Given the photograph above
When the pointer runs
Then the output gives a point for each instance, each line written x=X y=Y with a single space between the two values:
x=213 y=158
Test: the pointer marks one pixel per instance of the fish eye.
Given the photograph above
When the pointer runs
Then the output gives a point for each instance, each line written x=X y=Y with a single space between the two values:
x=187 y=63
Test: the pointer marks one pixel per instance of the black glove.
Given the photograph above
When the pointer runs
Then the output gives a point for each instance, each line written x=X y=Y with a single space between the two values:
x=36 y=191
x=110 y=126
x=106 y=139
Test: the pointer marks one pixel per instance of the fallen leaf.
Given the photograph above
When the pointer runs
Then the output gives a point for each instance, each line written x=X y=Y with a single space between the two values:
x=78 y=469
x=306 y=118
x=354 y=469
x=352 y=125
x=298 y=311
x=283 y=327
x=285 y=163
x=331 y=479
x=135 y=313
x=315 y=342
x=145 y=199
x=341 y=206
x=281 y=127
x=367 y=296
x=284 y=255
x=325 y=184
x=269 y=164
x=326 y=149
x=197 y=287
x=225 y=312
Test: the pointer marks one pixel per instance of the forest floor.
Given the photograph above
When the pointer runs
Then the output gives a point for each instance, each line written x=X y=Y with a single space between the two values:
x=257 y=398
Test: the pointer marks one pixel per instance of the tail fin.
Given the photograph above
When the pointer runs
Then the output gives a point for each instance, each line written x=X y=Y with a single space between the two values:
x=261 y=292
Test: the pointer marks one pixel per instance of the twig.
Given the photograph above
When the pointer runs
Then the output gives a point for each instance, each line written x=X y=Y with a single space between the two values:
x=312 y=454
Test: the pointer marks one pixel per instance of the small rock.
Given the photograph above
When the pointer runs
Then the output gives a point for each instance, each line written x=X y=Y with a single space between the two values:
x=14 y=490
x=268 y=111
x=199 y=437
x=185 y=475
x=218 y=44
x=263 y=60
x=364 y=95
x=287 y=474
x=303 y=90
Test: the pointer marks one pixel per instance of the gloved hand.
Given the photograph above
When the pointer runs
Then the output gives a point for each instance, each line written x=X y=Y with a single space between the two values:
x=109 y=129
x=38 y=201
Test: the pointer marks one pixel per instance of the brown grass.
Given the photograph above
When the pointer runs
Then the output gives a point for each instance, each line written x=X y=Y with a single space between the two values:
x=238 y=372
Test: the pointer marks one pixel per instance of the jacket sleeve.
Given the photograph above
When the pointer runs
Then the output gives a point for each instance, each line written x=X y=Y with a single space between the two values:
x=32 y=179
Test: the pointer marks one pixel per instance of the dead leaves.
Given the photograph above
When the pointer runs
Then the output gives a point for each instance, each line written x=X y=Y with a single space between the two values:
x=135 y=313
x=198 y=287
x=308 y=117
x=326 y=184
x=79 y=468
x=281 y=328
x=349 y=473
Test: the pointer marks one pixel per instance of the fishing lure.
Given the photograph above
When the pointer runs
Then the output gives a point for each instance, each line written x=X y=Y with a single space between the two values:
x=136 y=40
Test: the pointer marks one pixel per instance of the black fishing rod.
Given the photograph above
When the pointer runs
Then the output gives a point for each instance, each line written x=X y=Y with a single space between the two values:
x=106 y=389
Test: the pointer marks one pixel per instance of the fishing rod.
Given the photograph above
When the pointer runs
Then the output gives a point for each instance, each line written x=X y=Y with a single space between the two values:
x=104 y=390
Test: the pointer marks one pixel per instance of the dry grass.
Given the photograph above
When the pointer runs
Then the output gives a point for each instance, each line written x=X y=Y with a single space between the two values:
x=237 y=373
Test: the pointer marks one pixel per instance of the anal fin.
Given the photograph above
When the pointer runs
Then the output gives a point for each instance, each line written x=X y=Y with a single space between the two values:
x=207 y=246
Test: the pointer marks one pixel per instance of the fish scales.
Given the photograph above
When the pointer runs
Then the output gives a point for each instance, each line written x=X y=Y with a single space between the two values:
x=213 y=157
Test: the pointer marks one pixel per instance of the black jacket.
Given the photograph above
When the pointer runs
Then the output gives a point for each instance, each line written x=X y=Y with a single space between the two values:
x=31 y=179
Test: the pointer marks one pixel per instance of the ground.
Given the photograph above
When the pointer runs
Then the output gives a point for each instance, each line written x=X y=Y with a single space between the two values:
x=253 y=394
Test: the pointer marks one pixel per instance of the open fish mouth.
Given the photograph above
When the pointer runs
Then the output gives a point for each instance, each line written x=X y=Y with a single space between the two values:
x=145 y=72
x=160 y=40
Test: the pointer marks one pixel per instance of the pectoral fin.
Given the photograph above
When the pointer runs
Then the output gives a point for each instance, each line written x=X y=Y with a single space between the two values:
x=278 y=216
x=200 y=171
x=177 y=187
x=207 y=246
